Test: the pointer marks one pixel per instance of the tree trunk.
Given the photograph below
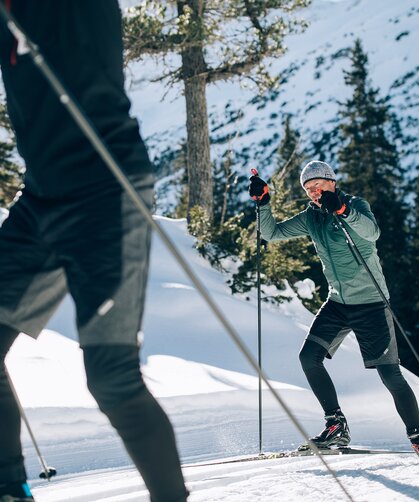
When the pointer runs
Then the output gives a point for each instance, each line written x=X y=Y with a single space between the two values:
x=198 y=144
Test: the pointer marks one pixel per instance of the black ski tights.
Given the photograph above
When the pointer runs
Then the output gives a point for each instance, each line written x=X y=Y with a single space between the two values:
x=11 y=459
x=115 y=381
x=403 y=395
x=312 y=356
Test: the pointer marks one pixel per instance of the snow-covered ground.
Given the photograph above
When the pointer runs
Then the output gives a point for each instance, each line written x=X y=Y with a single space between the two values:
x=211 y=396
x=368 y=479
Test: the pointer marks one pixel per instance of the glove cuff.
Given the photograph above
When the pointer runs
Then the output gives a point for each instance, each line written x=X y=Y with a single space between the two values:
x=344 y=210
x=341 y=210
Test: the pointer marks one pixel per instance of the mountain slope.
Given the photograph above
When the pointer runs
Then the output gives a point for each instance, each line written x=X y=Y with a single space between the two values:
x=312 y=85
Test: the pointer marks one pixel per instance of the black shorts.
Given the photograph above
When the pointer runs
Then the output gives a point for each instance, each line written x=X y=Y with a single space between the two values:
x=372 y=324
x=96 y=247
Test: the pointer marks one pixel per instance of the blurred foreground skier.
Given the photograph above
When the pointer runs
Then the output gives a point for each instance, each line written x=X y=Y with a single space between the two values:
x=73 y=229
x=353 y=303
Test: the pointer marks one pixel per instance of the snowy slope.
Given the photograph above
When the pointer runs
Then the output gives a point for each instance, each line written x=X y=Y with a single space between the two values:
x=75 y=438
x=203 y=382
x=312 y=84
x=178 y=323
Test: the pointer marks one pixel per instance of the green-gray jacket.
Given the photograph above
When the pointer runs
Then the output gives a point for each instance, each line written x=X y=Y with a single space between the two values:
x=347 y=278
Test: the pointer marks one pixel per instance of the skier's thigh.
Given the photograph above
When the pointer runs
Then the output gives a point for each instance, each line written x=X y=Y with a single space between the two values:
x=107 y=266
x=32 y=285
x=374 y=329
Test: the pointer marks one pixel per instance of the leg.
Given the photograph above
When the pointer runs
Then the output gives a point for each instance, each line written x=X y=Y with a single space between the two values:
x=11 y=458
x=311 y=357
x=326 y=333
x=404 y=398
x=115 y=381
x=106 y=262
x=31 y=289
x=336 y=431
x=374 y=329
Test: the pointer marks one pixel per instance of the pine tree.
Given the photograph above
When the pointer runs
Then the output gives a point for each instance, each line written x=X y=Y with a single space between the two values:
x=291 y=160
x=414 y=254
x=410 y=317
x=217 y=40
x=370 y=167
x=10 y=171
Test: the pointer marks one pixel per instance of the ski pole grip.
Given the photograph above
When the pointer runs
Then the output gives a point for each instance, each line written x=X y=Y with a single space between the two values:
x=254 y=172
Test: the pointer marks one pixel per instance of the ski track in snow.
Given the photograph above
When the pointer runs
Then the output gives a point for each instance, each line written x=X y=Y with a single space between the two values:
x=256 y=481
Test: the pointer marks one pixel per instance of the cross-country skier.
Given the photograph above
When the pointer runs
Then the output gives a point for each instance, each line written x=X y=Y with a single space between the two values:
x=353 y=302
x=74 y=230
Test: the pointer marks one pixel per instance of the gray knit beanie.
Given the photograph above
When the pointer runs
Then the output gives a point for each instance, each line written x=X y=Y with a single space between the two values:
x=316 y=169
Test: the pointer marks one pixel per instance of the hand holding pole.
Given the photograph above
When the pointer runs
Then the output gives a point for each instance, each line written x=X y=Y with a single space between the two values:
x=256 y=174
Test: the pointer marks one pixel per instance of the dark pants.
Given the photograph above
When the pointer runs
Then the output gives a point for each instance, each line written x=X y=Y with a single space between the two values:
x=116 y=383
x=374 y=331
x=75 y=230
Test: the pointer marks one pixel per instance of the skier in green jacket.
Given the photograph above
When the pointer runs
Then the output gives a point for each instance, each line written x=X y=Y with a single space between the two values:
x=353 y=302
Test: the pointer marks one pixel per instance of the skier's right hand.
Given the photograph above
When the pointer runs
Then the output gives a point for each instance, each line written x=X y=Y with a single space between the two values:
x=258 y=190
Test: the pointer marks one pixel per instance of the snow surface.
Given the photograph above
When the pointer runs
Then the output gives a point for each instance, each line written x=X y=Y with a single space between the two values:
x=211 y=396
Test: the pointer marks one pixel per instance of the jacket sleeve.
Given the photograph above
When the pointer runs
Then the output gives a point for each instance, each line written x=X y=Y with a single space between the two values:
x=272 y=231
x=362 y=221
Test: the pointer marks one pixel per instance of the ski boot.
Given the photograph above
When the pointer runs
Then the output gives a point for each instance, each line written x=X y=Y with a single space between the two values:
x=336 y=433
x=414 y=439
x=16 y=492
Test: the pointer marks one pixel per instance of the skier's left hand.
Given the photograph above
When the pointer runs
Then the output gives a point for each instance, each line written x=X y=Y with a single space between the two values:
x=331 y=203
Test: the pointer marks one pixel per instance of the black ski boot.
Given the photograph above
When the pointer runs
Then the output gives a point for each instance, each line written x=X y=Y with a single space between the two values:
x=413 y=435
x=336 y=433
x=16 y=492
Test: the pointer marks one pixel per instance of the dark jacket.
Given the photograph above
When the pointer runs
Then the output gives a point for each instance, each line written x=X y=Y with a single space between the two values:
x=82 y=41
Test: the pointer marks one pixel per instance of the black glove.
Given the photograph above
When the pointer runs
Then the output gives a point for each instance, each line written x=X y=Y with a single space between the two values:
x=259 y=190
x=331 y=203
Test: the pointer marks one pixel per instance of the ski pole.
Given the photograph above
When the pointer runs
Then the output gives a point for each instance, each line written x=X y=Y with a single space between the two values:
x=47 y=472
x=352 y=244
x=99 y=145
x=255 y=173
